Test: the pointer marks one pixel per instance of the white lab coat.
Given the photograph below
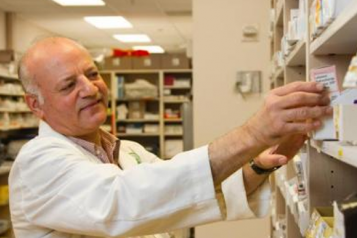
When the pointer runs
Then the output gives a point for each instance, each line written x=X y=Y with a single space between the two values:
x=58 y=189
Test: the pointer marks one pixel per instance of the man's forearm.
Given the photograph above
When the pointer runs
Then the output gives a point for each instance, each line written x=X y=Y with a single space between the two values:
x=252 y=180
x=232 y=151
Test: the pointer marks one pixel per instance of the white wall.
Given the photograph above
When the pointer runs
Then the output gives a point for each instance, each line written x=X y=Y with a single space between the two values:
x=25 y=33
x=218 y=54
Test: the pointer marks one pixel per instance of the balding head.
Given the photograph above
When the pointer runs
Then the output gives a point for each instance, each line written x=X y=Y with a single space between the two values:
x=38 y=52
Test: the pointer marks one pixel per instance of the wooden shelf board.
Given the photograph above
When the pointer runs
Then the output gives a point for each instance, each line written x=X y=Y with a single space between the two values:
x=177 y=87
x=337 y=150
x=9 y=77
x=176 y=101
x=12 y=94
x=173 y=120
x=340 y=37
x=177 y=70
x=5 y=168
x=298 y=56
x=15 y=111
x=137 y=99
x=174 y=134
x=279 y=74
x=138 y=135
x=279 y=19
x=137 y=120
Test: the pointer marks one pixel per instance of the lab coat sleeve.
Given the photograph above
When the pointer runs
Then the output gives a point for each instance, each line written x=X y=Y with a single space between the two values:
x=233 y=201
x=237 y=205
x=62 y=191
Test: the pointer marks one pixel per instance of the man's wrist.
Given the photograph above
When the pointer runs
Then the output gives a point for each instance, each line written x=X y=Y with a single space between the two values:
x=260 y=170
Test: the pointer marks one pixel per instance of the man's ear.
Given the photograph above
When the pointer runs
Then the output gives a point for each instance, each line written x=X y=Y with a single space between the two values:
x=34 y=105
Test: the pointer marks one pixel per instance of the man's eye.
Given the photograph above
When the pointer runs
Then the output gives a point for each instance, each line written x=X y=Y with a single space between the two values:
x=67 y=87
x=93 y=75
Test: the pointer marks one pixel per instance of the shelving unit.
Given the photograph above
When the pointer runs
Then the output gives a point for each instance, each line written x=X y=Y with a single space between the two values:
x=16 y=122
x=166 y=107
x=331 y=166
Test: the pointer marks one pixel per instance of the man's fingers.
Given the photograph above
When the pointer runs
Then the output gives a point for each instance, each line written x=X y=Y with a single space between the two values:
x=304 y=113
x=299 y=99
x=302 y=127
x=268 y=161
x=311 y=87
x=291 y=145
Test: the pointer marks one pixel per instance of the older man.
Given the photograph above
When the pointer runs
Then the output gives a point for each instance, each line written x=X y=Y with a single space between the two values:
x=75 y=180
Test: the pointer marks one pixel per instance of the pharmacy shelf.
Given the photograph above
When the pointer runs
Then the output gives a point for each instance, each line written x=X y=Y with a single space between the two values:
x=173 y=134
x=173 y=120
x=12 y=128
x=136 y=99
x=137 y=134
x=8 y=77
x=337 y=150
x=14 y=111
x=137 y=120
x=176 y=101
x=12 y=94
x=339 y=37
x=279 y=19
x=177 y=87
x=298 y=56
x=278 y=74
x=5 y=168
x=175 y=71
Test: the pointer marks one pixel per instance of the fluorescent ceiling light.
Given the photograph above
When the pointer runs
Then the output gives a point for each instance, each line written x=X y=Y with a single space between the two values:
x=137 y=38
x=150 y=48
x=108 y=22
x=80 y=2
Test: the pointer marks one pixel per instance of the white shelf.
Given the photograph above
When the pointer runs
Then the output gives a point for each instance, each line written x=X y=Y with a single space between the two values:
x=138 y=135
x=337 y=150
x=5 y=168
x=340 y=37
x=298 y=56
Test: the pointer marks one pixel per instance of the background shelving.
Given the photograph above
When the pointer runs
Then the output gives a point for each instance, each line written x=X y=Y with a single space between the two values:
x=331 y=166
x=17 y=125
x=155 y=121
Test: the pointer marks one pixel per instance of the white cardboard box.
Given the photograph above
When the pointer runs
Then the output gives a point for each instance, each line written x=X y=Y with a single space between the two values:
x=328 y=130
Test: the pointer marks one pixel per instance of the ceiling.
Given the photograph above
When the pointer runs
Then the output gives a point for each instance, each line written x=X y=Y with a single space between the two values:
x=167 y=22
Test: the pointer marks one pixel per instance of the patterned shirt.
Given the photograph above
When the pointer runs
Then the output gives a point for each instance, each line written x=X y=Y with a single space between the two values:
x=107 y=153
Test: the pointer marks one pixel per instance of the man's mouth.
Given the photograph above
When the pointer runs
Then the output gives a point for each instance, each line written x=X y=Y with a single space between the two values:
x=89 y=105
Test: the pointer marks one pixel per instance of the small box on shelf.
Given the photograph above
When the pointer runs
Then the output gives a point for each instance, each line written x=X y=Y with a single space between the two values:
x=321 y=223
x=115 y=63
x=175 y=61
x=147 y=62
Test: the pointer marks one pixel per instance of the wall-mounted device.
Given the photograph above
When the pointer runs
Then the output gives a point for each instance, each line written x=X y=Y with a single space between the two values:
x=250 y=33
x=248 y=82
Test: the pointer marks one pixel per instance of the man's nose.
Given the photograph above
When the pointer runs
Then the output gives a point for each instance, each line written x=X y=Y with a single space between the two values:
x=88 y=87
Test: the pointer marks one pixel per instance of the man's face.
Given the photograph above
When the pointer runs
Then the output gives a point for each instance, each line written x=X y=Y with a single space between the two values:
x=75 y=95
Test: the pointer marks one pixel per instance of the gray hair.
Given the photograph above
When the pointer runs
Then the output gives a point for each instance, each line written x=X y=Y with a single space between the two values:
x=27 y=78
